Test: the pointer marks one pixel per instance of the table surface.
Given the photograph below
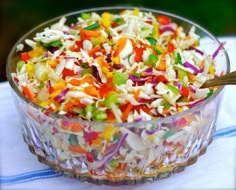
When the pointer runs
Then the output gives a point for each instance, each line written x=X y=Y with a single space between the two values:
x=216 y=169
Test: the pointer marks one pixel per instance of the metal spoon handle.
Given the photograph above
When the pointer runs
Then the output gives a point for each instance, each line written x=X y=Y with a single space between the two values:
x=227 y=79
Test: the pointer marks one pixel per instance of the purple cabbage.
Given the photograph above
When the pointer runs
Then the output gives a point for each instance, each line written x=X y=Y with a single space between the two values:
x=108 y=58
x=62 y=94
x=112 y=151
x=53 y=49
x=118 y=66
x=144 y=100
x=121 y=141
x=138 y=119
x=96 y=73
x=150 y=132
x=137 y=79
x=149 y=71
x=169 y=27
x=191 y=66
x=197 y=50
x=221 y=46
x=179 y=85
x=192 y=88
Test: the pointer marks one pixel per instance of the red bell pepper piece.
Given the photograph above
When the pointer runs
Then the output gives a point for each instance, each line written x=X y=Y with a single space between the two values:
x=163 y=19
x=139 y=54
x=24 y=56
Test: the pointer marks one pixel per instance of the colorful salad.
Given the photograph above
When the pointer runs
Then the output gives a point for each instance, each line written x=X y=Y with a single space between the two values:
x=116 y=68
x=126 y=67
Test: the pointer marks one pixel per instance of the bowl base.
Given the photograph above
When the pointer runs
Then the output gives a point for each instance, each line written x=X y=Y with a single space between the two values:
x=87 y=177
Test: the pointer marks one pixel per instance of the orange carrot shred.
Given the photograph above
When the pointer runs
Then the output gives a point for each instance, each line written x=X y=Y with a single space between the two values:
x=91 y=90
x=75 y=127
x=126 y=112
x=162 y=65
x=87 y=34
x=76 y=149
x=86 y=79
x=94 y=50
x=120 y=45
x=136 y=94
x=28 y=93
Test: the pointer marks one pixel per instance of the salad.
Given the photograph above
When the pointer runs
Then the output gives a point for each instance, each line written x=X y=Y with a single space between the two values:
x=125 y=67
x=117 y=68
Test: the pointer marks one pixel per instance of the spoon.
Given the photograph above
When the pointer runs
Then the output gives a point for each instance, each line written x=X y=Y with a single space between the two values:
x=227 y=79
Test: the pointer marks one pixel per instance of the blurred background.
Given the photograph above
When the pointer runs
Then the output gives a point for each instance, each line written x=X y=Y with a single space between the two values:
x=18 y=17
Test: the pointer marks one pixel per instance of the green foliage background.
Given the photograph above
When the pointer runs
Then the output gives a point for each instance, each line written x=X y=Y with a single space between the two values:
x=19 y=16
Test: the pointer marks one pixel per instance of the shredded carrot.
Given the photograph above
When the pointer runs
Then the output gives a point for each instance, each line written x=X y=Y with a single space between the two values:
x=136 y=94
x=191 y=76
x=188 y=37
x=162 y=64
x=110 y=116
x=68 y=106
x=87 y=34
x=102 y=62
x=94 y=50
x=71 y=104
x=126 y=112
x=75 y=127
x=91 y=90
x=77 y=149
x=28 y=93
x=120 y=45
x=86 y=79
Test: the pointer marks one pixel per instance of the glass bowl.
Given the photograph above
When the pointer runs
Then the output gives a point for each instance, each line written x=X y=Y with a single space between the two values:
x=144 y=151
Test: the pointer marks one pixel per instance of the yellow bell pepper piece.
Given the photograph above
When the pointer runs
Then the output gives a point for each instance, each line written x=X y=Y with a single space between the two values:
x=37 y=52
x=30 y=69
x=116 y=60
x=106 y=19
x=109 y=132
x=136 y=12
x=59 y=86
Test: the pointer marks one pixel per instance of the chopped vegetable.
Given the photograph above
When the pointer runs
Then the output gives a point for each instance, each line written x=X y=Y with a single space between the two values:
x=153 y=59
x=139 y=54
x=152 y=41
x=26 y=91
x=163 y=19
x=24 y=56
x=173 y=89
x=179 y=59
x=119 y=78
x=106 y=69
x=111 y=98
x=125 y=67
x=19 y=65
x=92 y=26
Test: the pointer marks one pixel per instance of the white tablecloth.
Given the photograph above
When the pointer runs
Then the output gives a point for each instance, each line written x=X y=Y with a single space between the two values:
x=19 y=169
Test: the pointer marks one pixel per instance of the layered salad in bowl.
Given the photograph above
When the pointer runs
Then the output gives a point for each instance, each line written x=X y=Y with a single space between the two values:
x=114 y=95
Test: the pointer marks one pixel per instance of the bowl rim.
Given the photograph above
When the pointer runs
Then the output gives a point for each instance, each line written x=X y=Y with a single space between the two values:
x=117 y=124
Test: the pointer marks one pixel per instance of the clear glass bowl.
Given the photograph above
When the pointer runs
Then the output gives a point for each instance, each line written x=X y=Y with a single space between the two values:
x=157 y=154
